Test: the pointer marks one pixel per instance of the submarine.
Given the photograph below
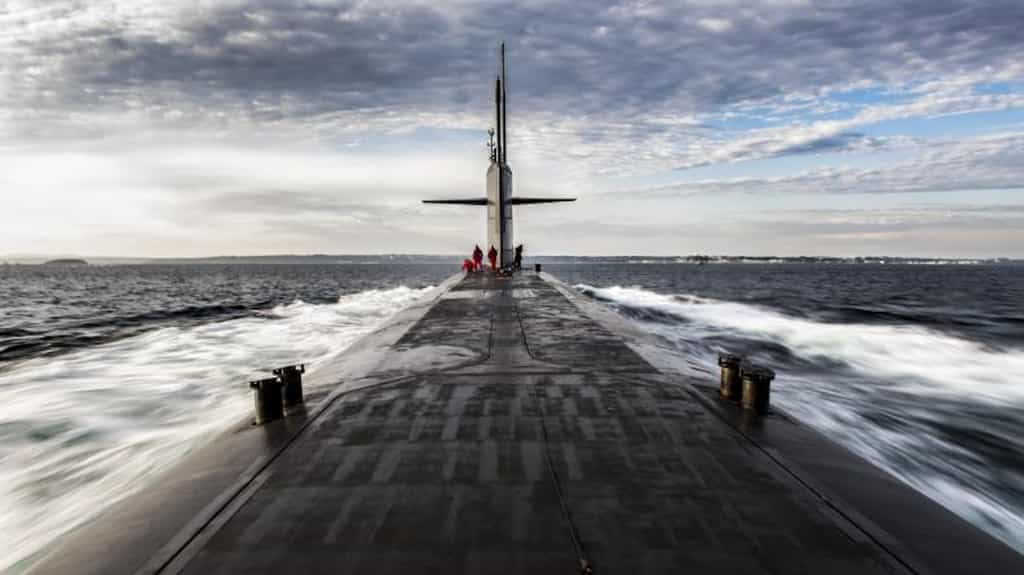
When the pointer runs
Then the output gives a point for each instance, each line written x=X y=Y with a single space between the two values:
x=505 y=423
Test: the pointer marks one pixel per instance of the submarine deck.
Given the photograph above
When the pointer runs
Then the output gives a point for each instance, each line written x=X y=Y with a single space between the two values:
x=546 y=442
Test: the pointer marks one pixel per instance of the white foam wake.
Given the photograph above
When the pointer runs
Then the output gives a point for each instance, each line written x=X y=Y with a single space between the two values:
x=911 y=400
x=82 y=430
x=913 y=359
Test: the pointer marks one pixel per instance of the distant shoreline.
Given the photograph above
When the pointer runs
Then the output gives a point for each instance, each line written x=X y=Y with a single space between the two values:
x=411 y=259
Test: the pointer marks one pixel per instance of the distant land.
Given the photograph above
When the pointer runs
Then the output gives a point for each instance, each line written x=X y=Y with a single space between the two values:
x=403 y=259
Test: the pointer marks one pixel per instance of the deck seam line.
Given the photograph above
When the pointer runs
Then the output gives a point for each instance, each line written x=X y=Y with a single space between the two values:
x=188 y=552
x=585 y=565
x=522 y=333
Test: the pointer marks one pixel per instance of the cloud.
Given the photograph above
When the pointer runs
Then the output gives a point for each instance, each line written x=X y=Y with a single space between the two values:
x=246 y=103
x=715 y=24
x=268 y=59
x=983 y=163
x=843 y=142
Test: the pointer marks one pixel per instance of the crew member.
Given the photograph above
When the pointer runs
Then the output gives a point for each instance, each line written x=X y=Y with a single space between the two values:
x=478 y=258
x=492 y=255
x=517 y=263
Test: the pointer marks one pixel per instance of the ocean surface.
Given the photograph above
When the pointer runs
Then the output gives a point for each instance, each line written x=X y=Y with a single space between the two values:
x=110 y=374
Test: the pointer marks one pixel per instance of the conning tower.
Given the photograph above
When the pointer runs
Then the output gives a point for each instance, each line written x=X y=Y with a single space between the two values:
x=499 y=199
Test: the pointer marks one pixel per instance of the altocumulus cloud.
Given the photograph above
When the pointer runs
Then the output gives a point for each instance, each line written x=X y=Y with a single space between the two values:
x=164 y=120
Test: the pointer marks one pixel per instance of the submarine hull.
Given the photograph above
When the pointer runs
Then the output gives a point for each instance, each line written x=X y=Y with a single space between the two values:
x=507 y=425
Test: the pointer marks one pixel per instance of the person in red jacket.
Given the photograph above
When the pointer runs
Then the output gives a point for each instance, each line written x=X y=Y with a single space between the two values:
x=478 y=258
x=467 y=265
x=492 y=255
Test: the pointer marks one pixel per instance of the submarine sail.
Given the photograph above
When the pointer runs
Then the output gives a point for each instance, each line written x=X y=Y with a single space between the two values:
x=499 y=199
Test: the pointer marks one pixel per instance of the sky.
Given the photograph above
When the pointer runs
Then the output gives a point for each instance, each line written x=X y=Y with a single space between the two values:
x=173 y=129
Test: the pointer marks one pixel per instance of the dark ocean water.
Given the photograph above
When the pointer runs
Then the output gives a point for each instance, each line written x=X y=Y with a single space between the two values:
x=915 y=368
x=54 y=309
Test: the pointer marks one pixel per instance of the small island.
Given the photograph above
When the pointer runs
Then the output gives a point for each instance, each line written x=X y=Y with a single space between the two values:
x=66 y=262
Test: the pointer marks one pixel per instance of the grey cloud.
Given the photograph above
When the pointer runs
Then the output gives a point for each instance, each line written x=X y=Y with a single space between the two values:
x=935 y=216
x=304 y=212
x=844 y=141
x=616 y=88
x=604 y=61
x=991 y=163
x=296 y=205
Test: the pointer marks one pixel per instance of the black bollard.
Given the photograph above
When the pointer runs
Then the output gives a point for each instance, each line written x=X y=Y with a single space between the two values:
x=291 y=378
x=268 y=399
x=730 y=386
x=757 y=388
x=536 y=268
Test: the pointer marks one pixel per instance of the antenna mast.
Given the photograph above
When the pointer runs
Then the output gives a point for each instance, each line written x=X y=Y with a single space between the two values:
x=504 y=103
x=498 y=120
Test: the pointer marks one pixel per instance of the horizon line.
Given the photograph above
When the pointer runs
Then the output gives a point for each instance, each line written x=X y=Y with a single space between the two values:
x=14 y=257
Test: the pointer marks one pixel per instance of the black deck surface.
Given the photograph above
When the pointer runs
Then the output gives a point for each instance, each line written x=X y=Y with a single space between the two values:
x=561 y=434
